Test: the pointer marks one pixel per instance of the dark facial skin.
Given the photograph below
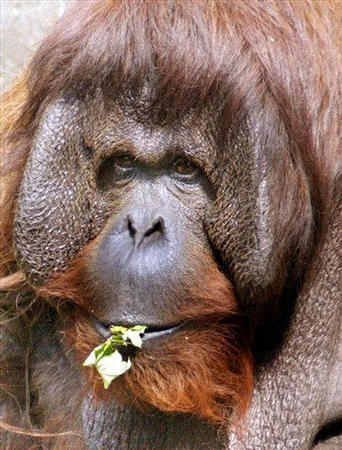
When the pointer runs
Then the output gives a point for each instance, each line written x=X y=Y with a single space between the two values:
x=152 y=191
x=249 y=94
x=146 y=260
x=149 y=189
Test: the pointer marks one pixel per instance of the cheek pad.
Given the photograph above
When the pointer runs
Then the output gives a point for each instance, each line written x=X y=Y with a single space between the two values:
x=57 y=201
x=239 y=225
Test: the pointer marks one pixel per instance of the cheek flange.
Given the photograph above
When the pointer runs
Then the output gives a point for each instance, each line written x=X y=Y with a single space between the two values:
x=57 y=201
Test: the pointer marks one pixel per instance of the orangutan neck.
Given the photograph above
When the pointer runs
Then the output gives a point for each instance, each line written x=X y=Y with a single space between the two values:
x=108 y=426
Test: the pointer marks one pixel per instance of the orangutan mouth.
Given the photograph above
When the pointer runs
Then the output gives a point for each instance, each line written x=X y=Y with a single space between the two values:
x=151 y=332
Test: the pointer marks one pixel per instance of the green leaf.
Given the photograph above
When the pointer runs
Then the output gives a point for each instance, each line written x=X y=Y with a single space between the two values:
x=91 y=360
x=107 y=359
x=105 y=349
x=140 y=328
x=112 y=366
x=134 y=337
x=116 y=329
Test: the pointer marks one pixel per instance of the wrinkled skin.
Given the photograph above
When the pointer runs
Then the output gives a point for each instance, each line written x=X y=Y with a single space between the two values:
x=153 y=194
x=248 y=205
x=132 y=200
x=301 y=366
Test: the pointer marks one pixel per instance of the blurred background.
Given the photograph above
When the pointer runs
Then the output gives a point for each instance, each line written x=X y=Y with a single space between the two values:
x=23 y=24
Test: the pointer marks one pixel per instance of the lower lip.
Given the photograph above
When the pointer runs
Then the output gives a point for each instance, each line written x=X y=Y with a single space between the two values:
x=104 y=331
x=162 y=333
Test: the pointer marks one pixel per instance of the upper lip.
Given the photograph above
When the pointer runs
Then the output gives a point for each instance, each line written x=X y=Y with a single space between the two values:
x=151 y=332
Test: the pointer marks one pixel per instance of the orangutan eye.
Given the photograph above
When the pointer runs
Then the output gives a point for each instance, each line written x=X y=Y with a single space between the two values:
x=124 y=162
x=185 y=171
x=116 y=170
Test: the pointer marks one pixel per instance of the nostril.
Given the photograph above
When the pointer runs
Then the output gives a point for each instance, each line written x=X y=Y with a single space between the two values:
x=130 y=226
x=142 y=230
x=157 y=226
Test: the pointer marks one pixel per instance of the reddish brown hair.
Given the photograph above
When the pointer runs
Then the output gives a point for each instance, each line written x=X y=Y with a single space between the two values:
x=278 y=61
x=205 y=370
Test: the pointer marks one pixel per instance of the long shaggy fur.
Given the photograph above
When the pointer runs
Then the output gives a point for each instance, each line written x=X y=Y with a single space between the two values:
x=205 y=369
x=275 y=60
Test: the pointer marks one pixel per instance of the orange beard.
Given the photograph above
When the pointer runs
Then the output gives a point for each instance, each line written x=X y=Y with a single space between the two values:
x=199 y=370
x=204 y=369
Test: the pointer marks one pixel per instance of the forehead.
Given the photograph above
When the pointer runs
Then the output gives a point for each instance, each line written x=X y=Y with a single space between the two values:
x=131 y=124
